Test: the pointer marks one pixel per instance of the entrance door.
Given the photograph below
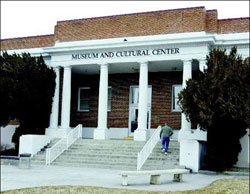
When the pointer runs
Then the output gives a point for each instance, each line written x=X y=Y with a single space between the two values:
x=133 y=108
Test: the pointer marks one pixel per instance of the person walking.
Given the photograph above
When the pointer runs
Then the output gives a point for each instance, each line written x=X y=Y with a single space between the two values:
x=165 y=134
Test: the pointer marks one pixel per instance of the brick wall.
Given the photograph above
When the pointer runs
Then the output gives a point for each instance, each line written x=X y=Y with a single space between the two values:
x=141 y=24
x=233 y=25
x=211 y=21
x=120 y=83
x=195 y=19
x=27 y=42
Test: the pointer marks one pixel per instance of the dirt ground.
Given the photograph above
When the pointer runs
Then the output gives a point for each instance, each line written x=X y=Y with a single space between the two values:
x=223 y=186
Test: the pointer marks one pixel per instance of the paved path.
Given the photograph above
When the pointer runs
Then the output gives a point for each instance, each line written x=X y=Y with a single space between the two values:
x=14 y=178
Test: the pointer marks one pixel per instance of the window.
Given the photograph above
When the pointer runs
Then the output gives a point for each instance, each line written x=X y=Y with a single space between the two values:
x=83 y=99
x=109 y=98
x=175 y=91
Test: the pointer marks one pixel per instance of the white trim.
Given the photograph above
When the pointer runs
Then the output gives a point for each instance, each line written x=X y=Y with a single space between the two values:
x=175 y=38
x=78 y=103
x=173 y=100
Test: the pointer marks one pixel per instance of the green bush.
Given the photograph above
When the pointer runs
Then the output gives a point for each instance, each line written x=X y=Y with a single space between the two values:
x=26 y=92
x=219 y=101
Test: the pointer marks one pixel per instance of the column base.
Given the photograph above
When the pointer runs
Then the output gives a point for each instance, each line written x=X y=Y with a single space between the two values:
x=141 y=135
x=57 y=132
x=101 y=133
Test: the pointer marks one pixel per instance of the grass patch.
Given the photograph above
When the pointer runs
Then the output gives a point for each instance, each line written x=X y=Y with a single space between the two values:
x=223 y=186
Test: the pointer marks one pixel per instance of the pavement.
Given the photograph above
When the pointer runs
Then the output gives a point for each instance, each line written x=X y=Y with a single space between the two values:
x=12 y=177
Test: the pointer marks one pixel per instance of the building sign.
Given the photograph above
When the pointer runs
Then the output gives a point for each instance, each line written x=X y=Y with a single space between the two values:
x=122 y=54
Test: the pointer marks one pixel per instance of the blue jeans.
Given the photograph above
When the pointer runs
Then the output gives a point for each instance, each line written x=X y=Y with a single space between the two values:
x=165 y=143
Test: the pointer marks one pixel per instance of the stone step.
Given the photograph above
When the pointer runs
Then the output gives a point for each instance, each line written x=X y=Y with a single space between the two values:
x=103 y=142
x=120 y=155
x=115 y=153
x=112 y=148
x=116 y=166
x=117 y=142
x=116 y=163
x=108 y=158
x=113 y=160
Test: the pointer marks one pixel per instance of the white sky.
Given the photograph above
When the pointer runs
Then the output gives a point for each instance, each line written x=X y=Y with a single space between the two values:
x=31 y=18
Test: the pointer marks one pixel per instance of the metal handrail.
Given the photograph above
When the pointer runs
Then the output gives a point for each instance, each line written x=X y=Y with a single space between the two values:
x=147 y=149
x=62 y=145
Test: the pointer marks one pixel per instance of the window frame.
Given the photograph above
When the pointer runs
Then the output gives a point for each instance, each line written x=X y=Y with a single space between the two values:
x=173 y=99
x=78 y=104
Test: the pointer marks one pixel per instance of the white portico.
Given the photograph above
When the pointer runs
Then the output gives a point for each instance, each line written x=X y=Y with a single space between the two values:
x=170 y=51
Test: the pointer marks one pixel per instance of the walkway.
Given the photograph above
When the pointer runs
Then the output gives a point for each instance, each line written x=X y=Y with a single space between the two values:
x=14 y=178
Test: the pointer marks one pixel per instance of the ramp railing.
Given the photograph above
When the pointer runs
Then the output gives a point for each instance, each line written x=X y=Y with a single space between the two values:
x=63 y=144
x=147 y=149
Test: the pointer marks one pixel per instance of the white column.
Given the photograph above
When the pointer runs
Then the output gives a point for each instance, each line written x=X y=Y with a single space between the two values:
x=101 y=131
x=66 y=97
x=202 y=65
x=55 y=105
x=141 y=133
x=187 y=74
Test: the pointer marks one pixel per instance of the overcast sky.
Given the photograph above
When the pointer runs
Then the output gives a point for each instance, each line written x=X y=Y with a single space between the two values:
x=31 y=18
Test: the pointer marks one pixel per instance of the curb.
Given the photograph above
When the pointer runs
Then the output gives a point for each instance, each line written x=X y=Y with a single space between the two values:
x=224 y=173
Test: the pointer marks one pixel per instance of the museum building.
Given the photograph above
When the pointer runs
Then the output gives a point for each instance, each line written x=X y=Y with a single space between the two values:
x=120 y=75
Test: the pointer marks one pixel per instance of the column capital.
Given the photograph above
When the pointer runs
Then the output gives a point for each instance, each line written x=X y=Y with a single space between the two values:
x=202 y=60
x=187 y=61
x=67 y=67
x=56 y=69
x=143 y=62
x=103 y=64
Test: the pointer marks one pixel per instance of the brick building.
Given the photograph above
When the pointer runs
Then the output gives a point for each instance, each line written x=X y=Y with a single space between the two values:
x=120 y=75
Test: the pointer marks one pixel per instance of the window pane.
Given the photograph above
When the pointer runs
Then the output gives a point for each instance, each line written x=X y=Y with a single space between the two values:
x=135 y=95
x=177 y=107
x=109 y=105
x=84 y=105
x=175 y=92
x=84 y=93
x=84 y=99
x=149 y=95
x=109 y=93
x=109 y=98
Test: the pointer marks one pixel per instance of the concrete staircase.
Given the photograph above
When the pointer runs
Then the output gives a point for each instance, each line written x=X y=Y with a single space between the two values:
x=113 y=154
x=40 y=157
x=158 y=160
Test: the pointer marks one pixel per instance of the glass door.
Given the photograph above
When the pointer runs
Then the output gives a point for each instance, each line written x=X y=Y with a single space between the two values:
x=133 y=108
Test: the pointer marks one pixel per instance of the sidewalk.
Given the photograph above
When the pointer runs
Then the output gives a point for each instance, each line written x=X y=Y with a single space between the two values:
x=14 y=178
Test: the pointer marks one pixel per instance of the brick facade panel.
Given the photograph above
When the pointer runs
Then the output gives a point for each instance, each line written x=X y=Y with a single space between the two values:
x=120 y=83
x=233 y=25
x=165 y=22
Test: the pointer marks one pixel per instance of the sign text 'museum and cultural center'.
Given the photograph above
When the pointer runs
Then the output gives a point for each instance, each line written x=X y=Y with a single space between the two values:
x=128 y=53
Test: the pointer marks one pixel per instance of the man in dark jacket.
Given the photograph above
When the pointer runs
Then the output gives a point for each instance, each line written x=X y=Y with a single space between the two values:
x=165 y=133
